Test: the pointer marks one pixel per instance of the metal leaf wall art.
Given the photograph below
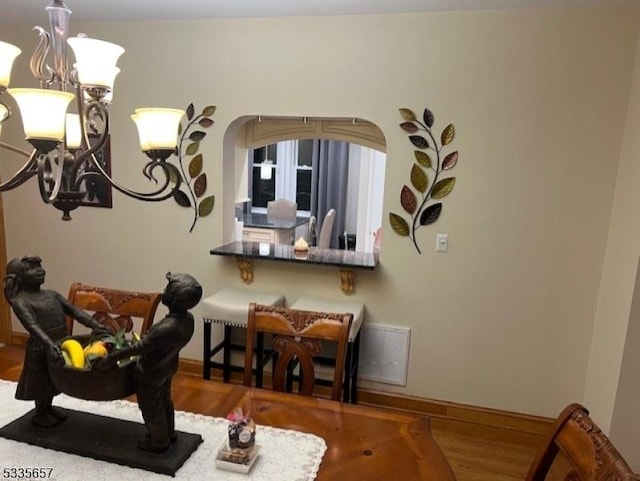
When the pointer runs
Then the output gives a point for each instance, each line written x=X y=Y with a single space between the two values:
x=194 y=180
x=430 y=160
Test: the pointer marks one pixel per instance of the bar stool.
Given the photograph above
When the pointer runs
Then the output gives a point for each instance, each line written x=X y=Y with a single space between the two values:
x=353 y=346
x=230 y=308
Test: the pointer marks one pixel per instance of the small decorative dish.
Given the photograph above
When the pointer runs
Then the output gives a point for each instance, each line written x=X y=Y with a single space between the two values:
x=237 y=460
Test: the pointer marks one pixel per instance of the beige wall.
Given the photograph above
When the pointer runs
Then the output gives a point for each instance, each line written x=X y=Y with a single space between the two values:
x=538 y=98
x=625 y=423
x=615 y=355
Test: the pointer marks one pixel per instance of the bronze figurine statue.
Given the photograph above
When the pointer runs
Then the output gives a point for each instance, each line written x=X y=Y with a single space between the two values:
x=42 y=313
x=158 y=361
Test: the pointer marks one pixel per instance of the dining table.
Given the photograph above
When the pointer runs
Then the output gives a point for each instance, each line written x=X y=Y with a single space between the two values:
x=363 y=442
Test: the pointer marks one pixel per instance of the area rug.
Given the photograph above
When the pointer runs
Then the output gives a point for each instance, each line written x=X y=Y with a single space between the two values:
x=284 y=454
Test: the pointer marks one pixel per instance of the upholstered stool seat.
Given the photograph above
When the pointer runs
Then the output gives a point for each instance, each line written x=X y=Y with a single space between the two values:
x=229 y=308
x=353 y=346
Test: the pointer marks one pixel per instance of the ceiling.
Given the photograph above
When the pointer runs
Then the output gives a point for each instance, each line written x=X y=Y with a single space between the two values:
x=30 y=11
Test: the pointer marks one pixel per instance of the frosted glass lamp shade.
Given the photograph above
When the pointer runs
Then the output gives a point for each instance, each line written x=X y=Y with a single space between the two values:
x=8 y=54
x=97 y=75
x=95 y=61
x=43 y=112
x=157 y=128
x=144 y=145
x=73 y=131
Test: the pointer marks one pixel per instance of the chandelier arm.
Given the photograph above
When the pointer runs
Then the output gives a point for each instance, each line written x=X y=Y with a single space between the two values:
x=154 y=196
x=21 y=176
x=17 y=150
x=89 y=155
x=49 y=198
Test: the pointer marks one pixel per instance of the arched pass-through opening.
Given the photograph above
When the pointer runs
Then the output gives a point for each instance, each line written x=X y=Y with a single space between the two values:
x=367 y=156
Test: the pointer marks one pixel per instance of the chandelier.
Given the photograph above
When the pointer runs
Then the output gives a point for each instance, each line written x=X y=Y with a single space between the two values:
x=65 y=144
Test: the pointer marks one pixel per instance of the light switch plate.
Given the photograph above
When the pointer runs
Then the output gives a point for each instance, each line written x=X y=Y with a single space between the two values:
x=442 y=242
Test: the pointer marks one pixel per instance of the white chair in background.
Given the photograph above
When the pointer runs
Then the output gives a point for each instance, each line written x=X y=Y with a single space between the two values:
x=324 y=239
x=281 y=209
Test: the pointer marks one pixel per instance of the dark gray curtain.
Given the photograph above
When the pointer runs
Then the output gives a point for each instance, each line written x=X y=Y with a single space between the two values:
x=329 y=183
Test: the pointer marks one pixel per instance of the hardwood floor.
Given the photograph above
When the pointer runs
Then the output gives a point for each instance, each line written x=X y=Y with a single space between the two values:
x=475 y=455
x=475 y=451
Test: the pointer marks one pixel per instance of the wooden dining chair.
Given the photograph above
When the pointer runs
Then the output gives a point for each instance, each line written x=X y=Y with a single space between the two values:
x=577 y=450
x=296 y=338
x=115 y=308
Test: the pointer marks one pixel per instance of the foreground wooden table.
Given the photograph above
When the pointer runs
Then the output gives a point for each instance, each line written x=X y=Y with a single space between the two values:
x=363 y=443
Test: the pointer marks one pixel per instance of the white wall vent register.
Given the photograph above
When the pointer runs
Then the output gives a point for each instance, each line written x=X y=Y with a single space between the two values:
x=384 y=353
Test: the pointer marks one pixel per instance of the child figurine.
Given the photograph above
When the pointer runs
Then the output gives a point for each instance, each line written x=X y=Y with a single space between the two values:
x=42 y=313
x=158 y=361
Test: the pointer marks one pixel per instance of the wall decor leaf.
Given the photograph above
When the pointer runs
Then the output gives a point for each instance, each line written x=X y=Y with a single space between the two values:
x=209 y=110
x=191 y=163
x=205 y=122
x=409 y=127
x=206 y=206
x=192 y=149
x=408 y=115
x=195 y=166
x=398 y=224
x=408 y=200
x=422 y=158
x=419 y=141
x=450 y=161
x=200 y=185
x=181 y=198
x=428 y=117
x=419 y=179
x=197 y=136
x=418 y=206
x=448 y=134
x=442 y=188
x=431 y=214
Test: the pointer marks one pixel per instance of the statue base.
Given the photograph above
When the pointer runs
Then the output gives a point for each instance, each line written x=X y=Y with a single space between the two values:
x=104 y=438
